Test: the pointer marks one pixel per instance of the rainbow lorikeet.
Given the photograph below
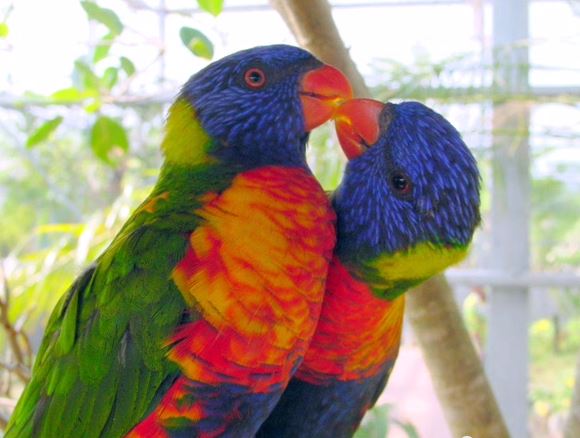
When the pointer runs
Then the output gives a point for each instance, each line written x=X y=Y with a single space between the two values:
x=406 y=209
x=193 y=320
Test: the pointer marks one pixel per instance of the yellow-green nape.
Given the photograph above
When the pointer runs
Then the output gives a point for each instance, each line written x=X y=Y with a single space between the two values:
x=185 y=142
x=417 y=263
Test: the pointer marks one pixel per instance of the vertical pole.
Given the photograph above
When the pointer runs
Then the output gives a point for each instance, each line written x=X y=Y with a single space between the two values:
x=507 y=350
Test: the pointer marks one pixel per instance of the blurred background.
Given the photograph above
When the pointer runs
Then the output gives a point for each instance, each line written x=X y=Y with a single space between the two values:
x=83 y=91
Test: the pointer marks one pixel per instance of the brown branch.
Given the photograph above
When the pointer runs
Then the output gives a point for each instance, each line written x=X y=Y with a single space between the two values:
x=3 y=422
x=13 y=335
x=313 y=27
x=460 y=382
x=17 y=369
x=465 y=393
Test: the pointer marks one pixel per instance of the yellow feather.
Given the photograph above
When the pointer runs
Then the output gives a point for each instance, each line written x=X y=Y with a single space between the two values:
x=185 y=141
x=420 y=262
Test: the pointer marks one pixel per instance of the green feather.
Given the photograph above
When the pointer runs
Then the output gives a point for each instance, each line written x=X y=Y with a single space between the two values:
x=68 y=326
x=102 y=364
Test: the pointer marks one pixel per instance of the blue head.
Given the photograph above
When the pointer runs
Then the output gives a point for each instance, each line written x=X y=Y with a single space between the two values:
x=410 y=194
x=255 y=107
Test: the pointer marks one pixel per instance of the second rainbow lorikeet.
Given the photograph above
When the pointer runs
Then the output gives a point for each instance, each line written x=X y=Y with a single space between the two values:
x=407 y=208
x=194 y=318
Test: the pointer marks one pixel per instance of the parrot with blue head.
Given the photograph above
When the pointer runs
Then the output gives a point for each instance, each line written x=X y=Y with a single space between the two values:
x=407 y=208
x=193 y=320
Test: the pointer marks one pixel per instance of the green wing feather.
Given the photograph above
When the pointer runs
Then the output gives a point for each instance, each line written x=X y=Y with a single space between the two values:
x=101 y=366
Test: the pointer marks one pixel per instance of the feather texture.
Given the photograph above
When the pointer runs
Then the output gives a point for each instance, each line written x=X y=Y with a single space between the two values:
x=388 y=242
x=194 y=318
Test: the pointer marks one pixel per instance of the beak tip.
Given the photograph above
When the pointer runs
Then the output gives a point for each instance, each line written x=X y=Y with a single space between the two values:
x=357 y=125
x=323 y=90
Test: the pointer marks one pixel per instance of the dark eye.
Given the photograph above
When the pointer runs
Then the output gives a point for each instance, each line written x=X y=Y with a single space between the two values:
x=401 y=183
x=255 y=78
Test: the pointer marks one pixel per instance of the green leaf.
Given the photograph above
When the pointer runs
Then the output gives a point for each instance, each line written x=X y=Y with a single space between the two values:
x=4 y=30
x=214 y=7
x=107 y=135
x=86 y=75
x=197 y=42
x=104 y=16
x=101 y=52
x=75 y=229
x=94 y=106
x=103 y=47
x=70 y=94
x=43 y=131
x=409 y=429
x=375 y=423
x=127 y=65
x=110 y=77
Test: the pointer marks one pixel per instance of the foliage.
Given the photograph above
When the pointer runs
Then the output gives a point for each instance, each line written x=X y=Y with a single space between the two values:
x=108 y=135
x=4 y=30
x=378 y=422
x=323 y=158
x=104 y=16
x=101 y=78
x=553 y=354
x=197 y=42
x=214 y=7
x=61 y=206
x=43 y=131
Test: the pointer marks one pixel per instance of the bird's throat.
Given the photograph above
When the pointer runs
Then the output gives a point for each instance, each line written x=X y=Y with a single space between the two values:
x=390 y=275
x=185 y=142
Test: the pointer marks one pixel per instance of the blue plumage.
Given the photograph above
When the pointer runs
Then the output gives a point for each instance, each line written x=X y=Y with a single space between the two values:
x=334 y=409
x=443 y=206
x=248 y=122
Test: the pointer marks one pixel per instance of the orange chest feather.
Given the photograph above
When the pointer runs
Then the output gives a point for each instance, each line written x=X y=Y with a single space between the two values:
x=255 y=271
x=357 y=332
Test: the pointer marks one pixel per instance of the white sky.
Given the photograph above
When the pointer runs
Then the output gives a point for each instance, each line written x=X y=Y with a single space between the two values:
x=46 y=36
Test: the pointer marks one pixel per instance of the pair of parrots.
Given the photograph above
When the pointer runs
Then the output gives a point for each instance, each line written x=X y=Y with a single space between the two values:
x=239 y=300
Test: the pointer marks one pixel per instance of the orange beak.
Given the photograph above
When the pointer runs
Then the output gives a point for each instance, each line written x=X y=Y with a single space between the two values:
x=322 y=91
x=357 y=125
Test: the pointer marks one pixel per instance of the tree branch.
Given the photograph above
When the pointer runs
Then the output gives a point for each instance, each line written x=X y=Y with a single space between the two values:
x=13 y=335
x=313 y=27
x=458 y=377
x=3 y=422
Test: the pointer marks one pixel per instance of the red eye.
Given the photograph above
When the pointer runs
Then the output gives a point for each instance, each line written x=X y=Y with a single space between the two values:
x=255 y=78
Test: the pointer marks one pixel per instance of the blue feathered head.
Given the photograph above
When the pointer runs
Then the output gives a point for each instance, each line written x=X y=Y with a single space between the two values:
x=410 y=190
x=257 y=106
